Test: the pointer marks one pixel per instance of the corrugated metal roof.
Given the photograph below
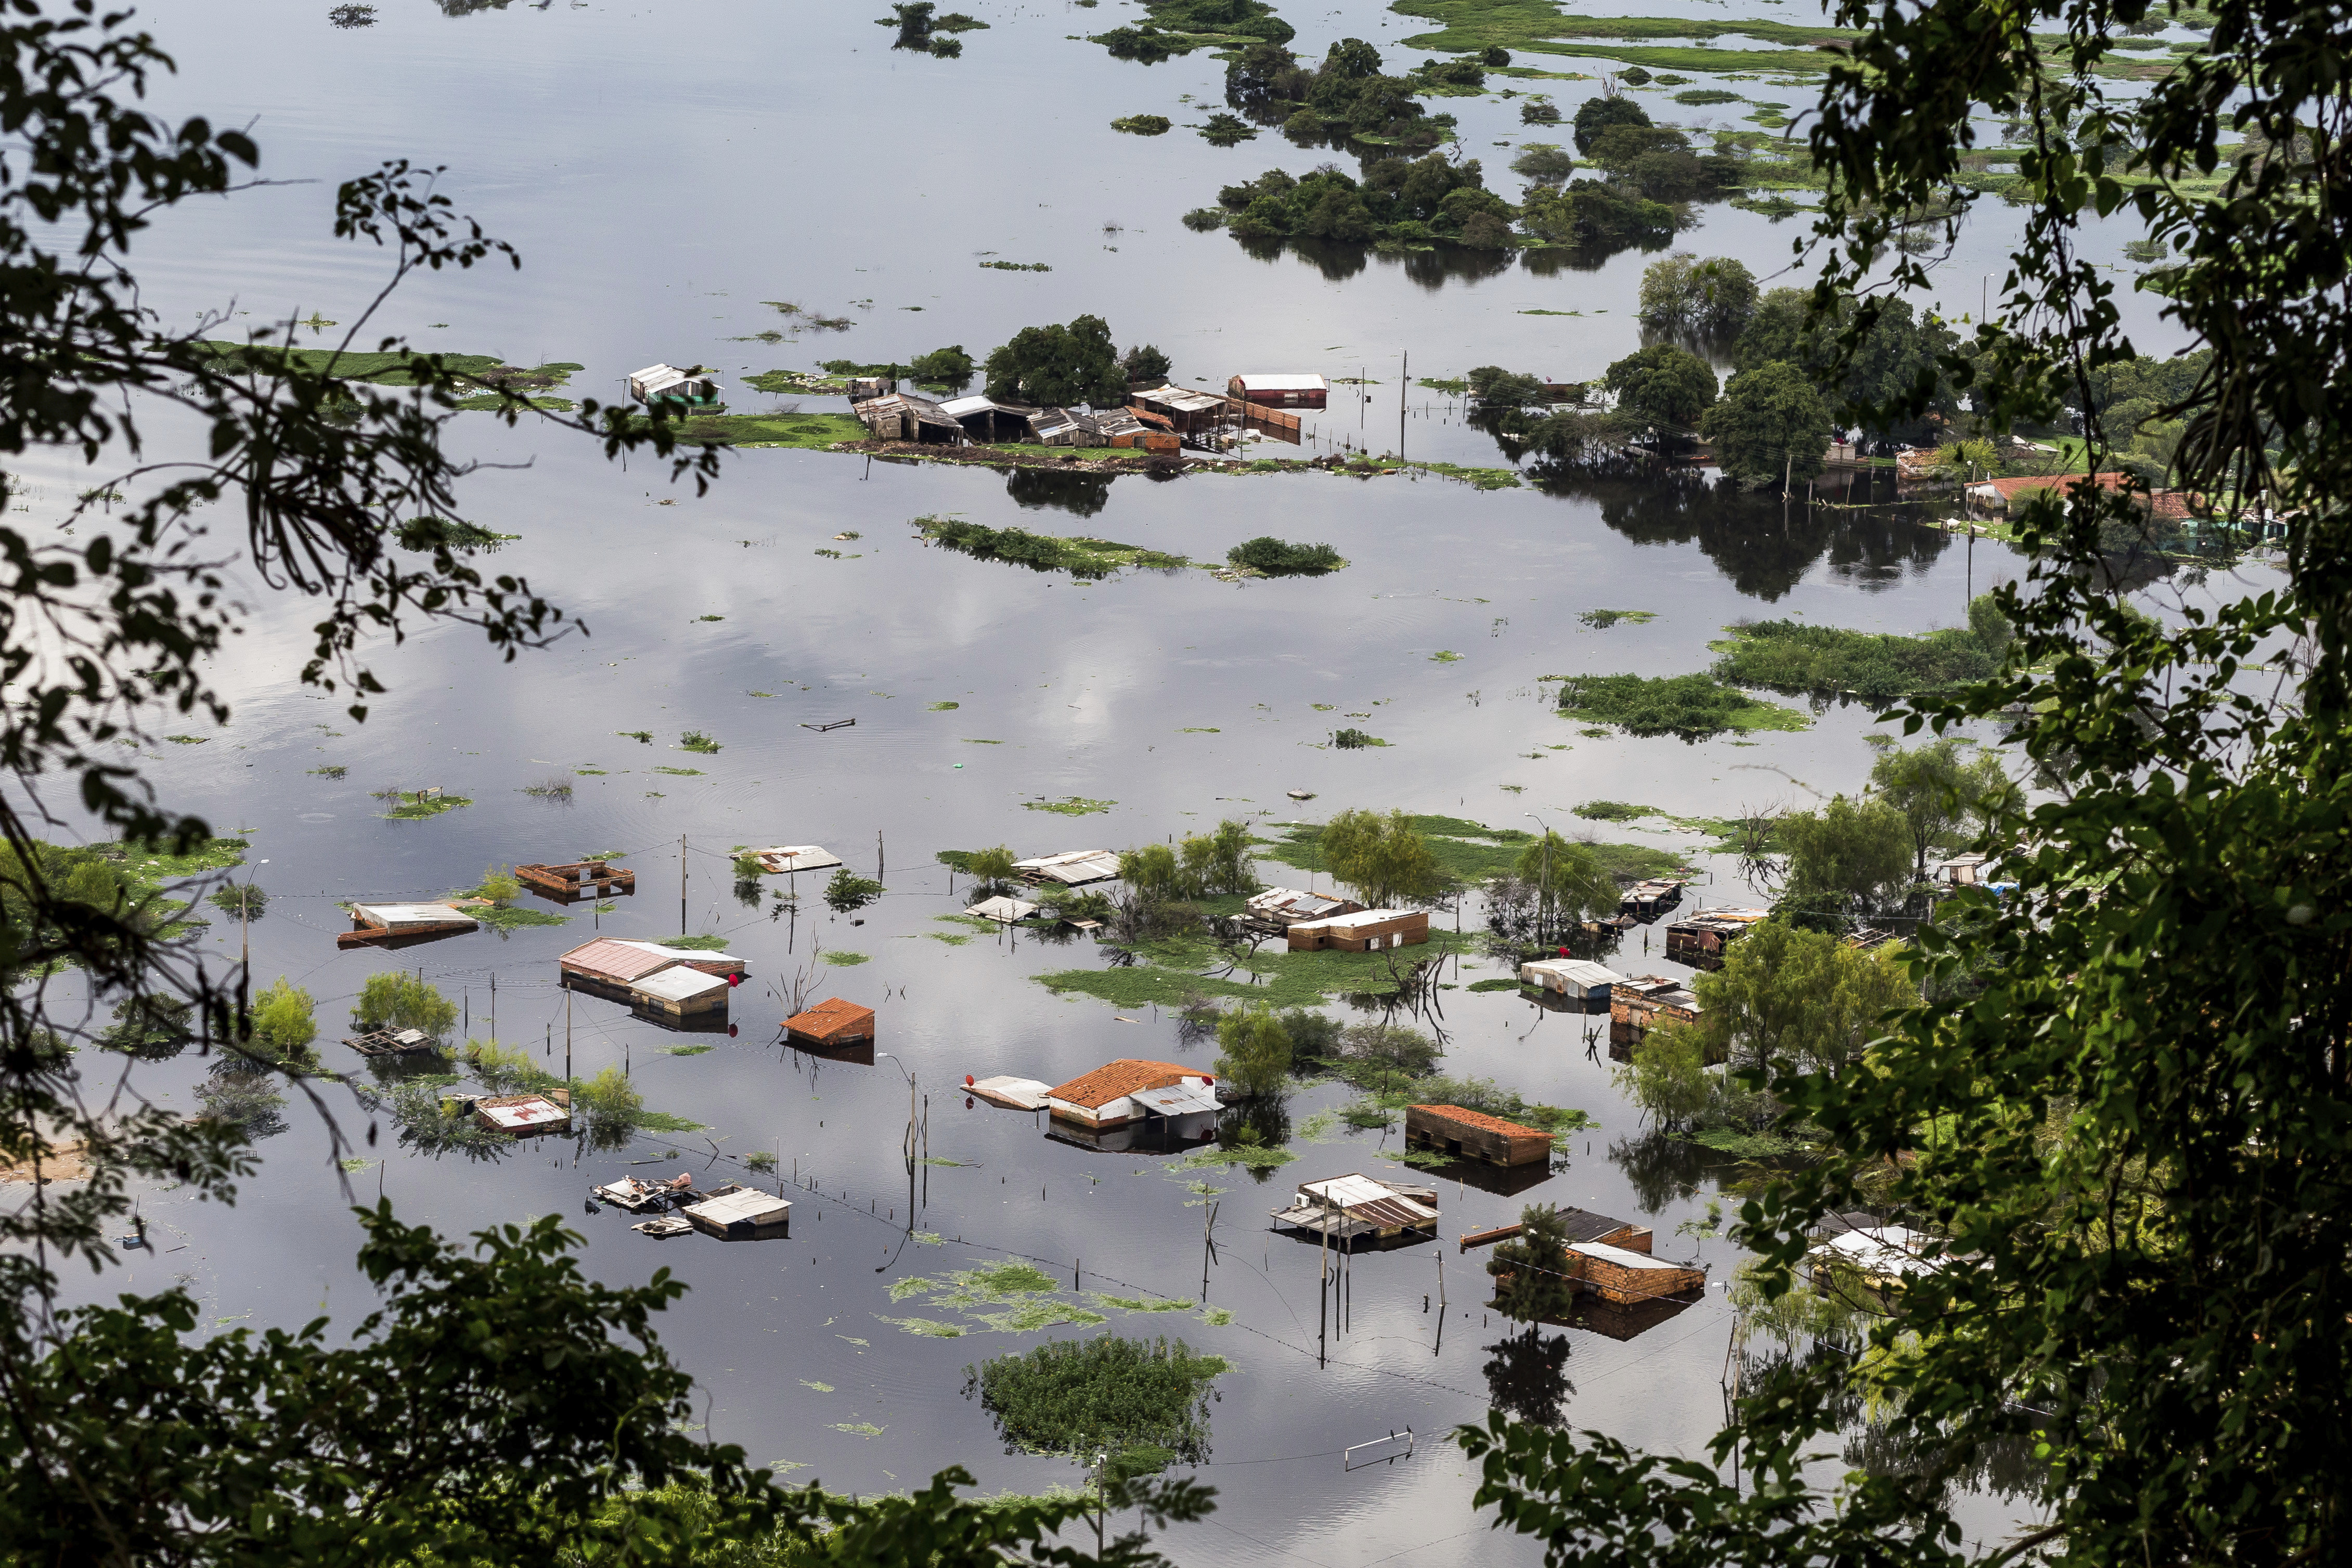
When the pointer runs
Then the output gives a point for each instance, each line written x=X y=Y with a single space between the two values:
x=831 y=1018
x=1581 y=973
x=1007 y=910
x=1178 y=1100
x=975 y=403
x=1289 y=901
x=678 y=984
x=1482 y=1122
x=1622 y=1257
x=1022 y=1093
x=1072 y=866
x=1181 y=398
x=393 y=915
x=1362 y=918
x=1583 y=1225
x=1284 y=384
x=749 y=1206
x=1365 y=1199
x=796 y=857
x=612 y=958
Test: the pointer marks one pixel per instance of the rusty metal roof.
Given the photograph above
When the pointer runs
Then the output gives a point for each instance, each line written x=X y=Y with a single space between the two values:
x=1118 y=1080
x=1482 y=1122
x=612 y=959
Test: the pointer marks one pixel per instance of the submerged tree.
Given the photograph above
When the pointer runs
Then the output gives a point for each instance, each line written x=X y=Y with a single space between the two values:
x=1771 y=426
x=1384 y=858
x=1055 y=366
x=1254 y=1052
x=1532 y=1281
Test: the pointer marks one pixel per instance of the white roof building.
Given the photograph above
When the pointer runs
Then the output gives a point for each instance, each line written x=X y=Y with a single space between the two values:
x=1071 y=867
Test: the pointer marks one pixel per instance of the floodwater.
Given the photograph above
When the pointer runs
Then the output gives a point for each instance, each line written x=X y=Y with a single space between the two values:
x=665 y=170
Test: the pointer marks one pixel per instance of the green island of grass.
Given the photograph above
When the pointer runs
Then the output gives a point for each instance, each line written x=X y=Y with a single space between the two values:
x=1079 y=556
x=1468 y=852
x=808 y=432
x=400 y=370
x=1877 y=667
x=1693 y=708
x=415 y=806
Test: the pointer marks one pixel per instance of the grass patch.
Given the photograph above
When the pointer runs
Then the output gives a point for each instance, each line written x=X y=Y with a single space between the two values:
x=943 y=707
x=1250 y=1156
x=1080 y=556
x=1601 y=620
x=1016 y=266
x=705 y=942
x=1479 y=478
x=394 y=370
x=1700 y=97
x=695 y=1050
x=1744 y=1146
x=1493 y=984
x=808 y=432
x=1693 y=708
x=1451 y=386
x=1071 y=806
x=1353 y=739
x=841 y=959
x=930 y=1327
x=1614 y=811
x=508 y=917
x=1467 y=852
x=1143 y=124
x=1446 y=656
x=677 y=772
x=330 y=770
x=1271 y=556
x=1876 y=666
x=416 y=807
x=695 y=741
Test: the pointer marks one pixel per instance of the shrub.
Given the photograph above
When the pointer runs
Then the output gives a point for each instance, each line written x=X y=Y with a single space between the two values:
x=1691 y=706
x=1538 y=110
x=1354 y=740
x=1499 y=388
x=1276 y=557
x=1878 y=666
x=395 y=999
x=949 y=366
x=1543 y=163
x=1253 y=1053
x=1074 y=1396
x=1596 y=115
x=285 y=1022
x=848 y=892
x=609 y=1101
x=1143 y=124
x=498 y=886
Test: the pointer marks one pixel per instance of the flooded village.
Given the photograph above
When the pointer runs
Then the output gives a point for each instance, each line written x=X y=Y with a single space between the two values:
x=1237 y=835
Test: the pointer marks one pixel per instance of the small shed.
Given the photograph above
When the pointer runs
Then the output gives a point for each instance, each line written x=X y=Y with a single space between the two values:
x=903 y=416
x=1187 y=413
x=381 y=922
x=1971 y=870
x=392 y=1042
x=1621 y=1275
x=1348 y=1207
x=1012 y=1094
x=985 y=419
x=778 y=859
x=1281 y=391
x=866 y=389
x=689 y=388
x=1123 y=1092
x=1700 y=940
x=1365 y=931
x=1576 y=1225
x=678 y=991
x=1282 y=907
x=577 y=879
x=1064 y=428
x=1119 y=427
x=1003 y=909
x=1646 y=901
x=525 y=1115
x=1640 y=1004
x=831 y=1022
x=1474 y=1136
x=735 y=1213
x=1579 y=978
x=1071 y=868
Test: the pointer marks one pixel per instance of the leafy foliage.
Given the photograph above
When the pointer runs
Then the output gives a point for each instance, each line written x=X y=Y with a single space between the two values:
x=1771 y=425
x=1879 y=667
x=1073 y=1397
x=1278 y=558
x=1691 y=706
x=847 y=892
x=1057 y=366
x=1254 y=1052
x=1712 y=299
x=1384 y=858
x=1665 y=385
x=396 y=999
x=1530 y=1270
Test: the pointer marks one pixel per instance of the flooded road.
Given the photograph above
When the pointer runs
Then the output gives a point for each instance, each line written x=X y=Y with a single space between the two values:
x=665 y=172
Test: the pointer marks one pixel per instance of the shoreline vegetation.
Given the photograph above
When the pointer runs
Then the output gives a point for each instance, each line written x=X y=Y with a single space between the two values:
x=488 y=372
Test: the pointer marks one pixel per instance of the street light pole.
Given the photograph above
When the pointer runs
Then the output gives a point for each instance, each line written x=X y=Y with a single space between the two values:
x=1544 y=900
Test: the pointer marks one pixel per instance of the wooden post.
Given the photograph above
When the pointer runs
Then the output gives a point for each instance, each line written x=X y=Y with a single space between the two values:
x=681 y=884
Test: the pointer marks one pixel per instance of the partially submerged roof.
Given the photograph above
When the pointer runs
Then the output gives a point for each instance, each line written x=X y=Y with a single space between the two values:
x=618 y=960
x=678 y=984
x=794 y=857
x=1007 y=910
x=1181 y=398
x=1358 y=918
x=1482 y=1122
x=1583 y=1225
x=1013 y=1093
x=1118 y=1080
x=1580 y=972
x=1363 y=1198
x=393 y=916
x=1072 y=867
x=1297 y=905
x=1624 y=1259
x=520 y=1113
x=1178 y=1100
x=747 y=1207
x=834 y=1018
x=1283 y=383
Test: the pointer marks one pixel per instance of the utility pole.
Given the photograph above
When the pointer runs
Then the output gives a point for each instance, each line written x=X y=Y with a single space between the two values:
x=1402 y=394
x=681 y=884
x=567 y=1037
x=494 y=1007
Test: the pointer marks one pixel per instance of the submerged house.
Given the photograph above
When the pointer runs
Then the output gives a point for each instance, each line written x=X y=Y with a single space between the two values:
x=1280 y=908
x=1473 y=1136
x=1187 y=413
x=525 y=1115
x=1348 y=1208
x=904 y=416
x=672 y=982
x=1003 y=910
x=1640 y=1004
x=780 y=858
x=1119 y=427
x=1072 y=867
x=397 y=925
x=831 y=1024
x=1579 y=980
x=1365 y=931
x=1062 y=427
x=1281 y=391
x=1646 y=900
x=689 y=388
x=576 y=879
x=1138 y=1100
x=985 y=419
x=1700 y=940
x=735 y=1213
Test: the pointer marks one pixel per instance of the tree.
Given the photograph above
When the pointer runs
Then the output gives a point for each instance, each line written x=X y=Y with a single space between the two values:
x=2133 y=1123
x=1543 y=163
x=396 y=999
x=1851 y=859
x=1597 y=114
x=1498 y=388
x=1151 y=872
x=1383 y=858
x=1898 y=355
x=1218 y=862
x=1566 y=884
x=992 y=867
x=1947 y=791
x=1351 y=60
x=1145 y=363
x=1253 y=1052
x=500 y=884
x=1666 y=386
x=285 y=1022
x=1770 y=427
x=1712 y=299
x=1788 y=1002
x=1531 y=1272
x=1057 y=366
x=948 y=367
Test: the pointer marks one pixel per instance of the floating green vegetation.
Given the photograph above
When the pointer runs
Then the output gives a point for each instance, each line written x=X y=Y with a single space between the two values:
x=393 y=370
x=1216 y=1317
x=1017 y=266
x=1603 y=620
x=1551 y=312
x=1496 y=984
x=1143 y=124
x=810 y=431
x=1446 y=656
x=860 y=1428
x=943 y=707
x=695 y=741
x=410 y=807
x=678 y=772
x=930 y=1327
x=510 y=918
x=1141 y=1304
x=1079 y=556
x=1612 y=811
x=1469 y=852
x=706 y=943
x=1691 y=706
x=1071 y=1396
x=843 y=958
x=952 y=938
x=1199 y=729
x=1353 y=739
x=1249 y=1156
x=186 y=739
x=1271 y=556
x=1745 y=1145
x=699 y=1051
x=1453 y=386
x=1878 y=666
x=1477 y=479
x=820 y=1387
x=642 y=736
x=1070 y=806
x=975 y=740
x=1176 y=972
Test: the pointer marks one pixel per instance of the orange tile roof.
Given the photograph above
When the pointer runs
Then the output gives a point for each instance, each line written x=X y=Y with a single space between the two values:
x=1119 y=1079
x=830 y=1019
x=1479 y=1119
